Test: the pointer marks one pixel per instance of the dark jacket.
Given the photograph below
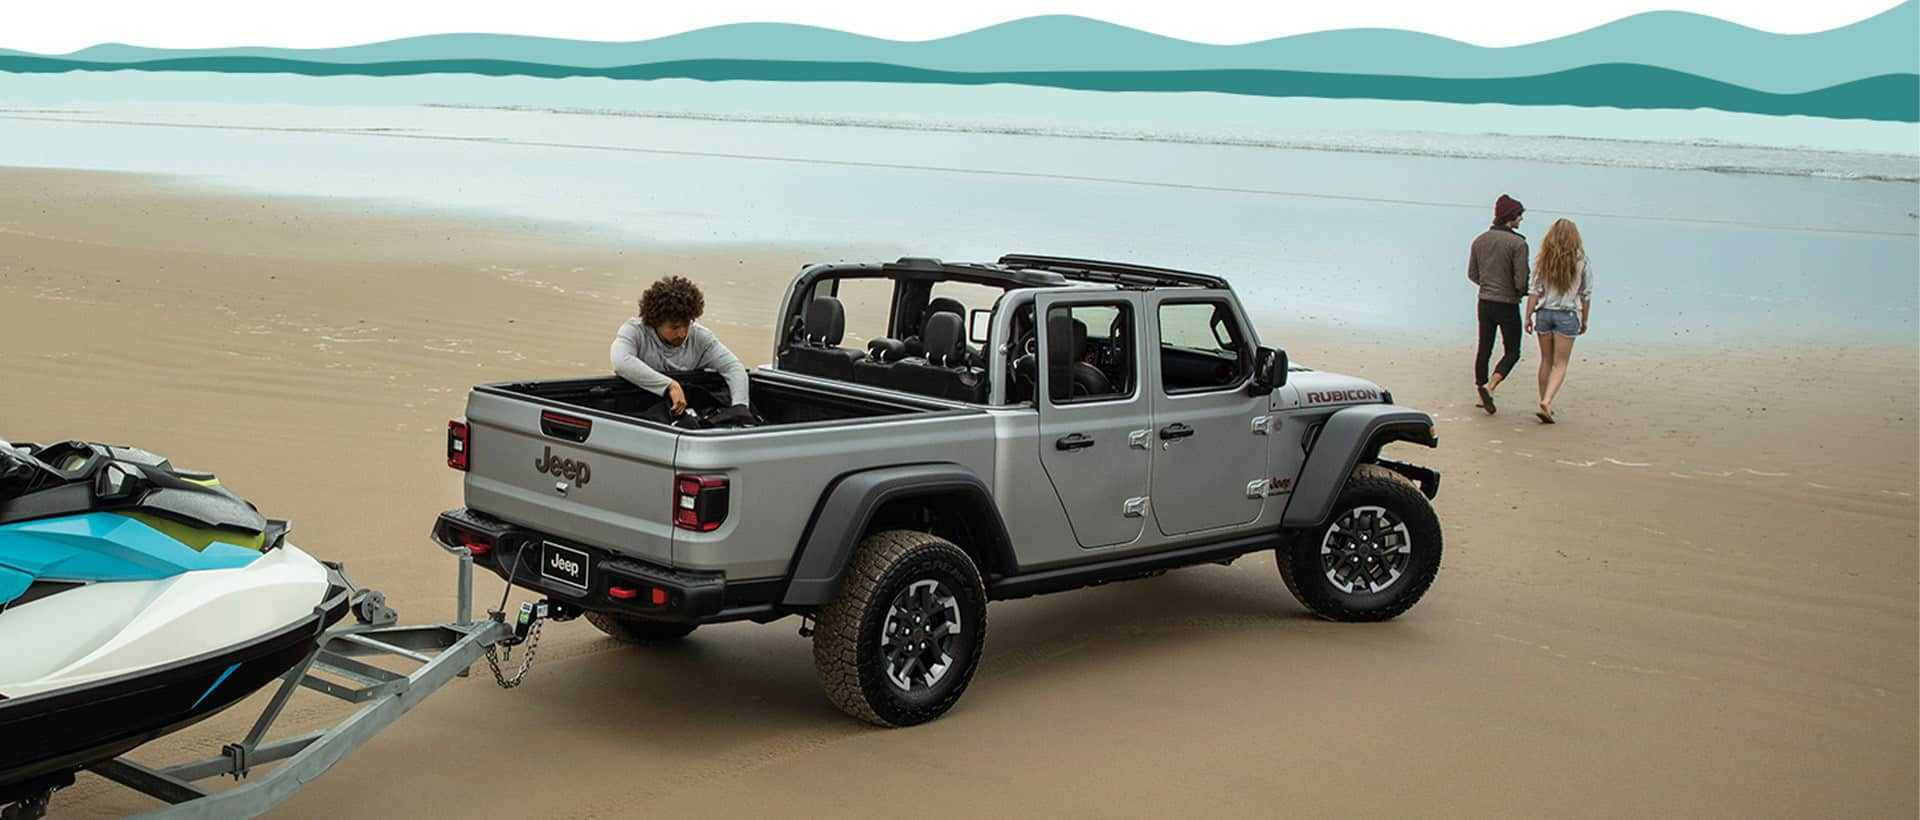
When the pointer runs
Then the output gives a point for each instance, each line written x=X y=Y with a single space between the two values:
x=1498 y=264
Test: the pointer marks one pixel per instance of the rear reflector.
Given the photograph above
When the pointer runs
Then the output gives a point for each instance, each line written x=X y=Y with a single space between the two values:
x=457 y=444
x=659 y=596
x=623 y=593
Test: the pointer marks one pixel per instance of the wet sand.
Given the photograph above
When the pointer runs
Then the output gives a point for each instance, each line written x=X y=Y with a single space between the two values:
x=1696 y=595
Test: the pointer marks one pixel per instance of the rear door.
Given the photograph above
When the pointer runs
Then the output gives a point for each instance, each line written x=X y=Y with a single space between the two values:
x=1209 y=441
x=1094 y=413
x=572 y=473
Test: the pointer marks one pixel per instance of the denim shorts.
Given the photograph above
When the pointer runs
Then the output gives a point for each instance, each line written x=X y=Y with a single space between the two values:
x=1563 y=322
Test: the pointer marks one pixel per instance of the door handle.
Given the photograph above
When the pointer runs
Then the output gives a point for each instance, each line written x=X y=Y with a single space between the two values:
x=1075 y=441
x=1174 y=431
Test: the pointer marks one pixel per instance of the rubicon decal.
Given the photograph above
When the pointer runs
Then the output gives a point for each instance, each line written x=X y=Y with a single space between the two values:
x=1331 y=396
x=568 y=468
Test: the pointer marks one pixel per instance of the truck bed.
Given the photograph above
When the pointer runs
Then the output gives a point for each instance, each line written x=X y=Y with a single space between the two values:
x=573 y=460
x=782 y=401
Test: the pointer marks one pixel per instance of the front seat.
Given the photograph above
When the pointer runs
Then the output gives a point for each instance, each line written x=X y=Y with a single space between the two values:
x=1069 y=376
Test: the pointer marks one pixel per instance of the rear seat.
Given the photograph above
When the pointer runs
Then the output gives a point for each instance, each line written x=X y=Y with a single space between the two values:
x=942 y=373
x=818 y=352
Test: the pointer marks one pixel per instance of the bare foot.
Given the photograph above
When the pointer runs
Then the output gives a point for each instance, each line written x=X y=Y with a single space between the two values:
x=1545 y=414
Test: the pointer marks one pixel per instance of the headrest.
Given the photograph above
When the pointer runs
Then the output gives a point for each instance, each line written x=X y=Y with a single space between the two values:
x=885 y=349
x=826 y=321
x=943 y=305
x=943 y=338
x=1059 y=343
x=1079 y=339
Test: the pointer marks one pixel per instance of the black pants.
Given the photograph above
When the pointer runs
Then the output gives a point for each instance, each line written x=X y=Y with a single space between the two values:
x=1506 y=319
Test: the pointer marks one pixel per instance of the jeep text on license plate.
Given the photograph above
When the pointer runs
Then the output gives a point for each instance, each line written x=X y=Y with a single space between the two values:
x=563 y=564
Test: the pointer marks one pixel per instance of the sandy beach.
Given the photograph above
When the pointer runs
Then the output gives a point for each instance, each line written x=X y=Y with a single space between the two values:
x=1694 y=596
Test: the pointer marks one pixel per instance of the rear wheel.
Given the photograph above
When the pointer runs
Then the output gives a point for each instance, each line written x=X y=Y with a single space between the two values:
x=1373 y=559
x=902 y=637
x=639 y=630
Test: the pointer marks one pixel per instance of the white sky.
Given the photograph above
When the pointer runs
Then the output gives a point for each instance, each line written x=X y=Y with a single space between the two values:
x=53 y=26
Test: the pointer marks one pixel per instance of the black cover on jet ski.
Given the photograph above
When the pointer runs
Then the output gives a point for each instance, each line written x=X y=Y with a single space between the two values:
x=77 y=477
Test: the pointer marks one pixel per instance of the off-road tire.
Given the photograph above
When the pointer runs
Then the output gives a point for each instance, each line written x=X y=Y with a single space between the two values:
x=639 y=630
x=1369 y=486
x=1382 y=472
x=847 y=652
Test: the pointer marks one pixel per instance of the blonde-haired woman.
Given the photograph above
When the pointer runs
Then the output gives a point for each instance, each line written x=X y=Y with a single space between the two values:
x=1558 y=305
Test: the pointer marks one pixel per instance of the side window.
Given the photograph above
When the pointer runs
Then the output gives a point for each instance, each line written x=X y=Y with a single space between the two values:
x=1089 y=352
x=1201 y=347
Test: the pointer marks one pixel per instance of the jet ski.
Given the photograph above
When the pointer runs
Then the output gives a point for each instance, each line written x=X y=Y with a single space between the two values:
x=136 y=598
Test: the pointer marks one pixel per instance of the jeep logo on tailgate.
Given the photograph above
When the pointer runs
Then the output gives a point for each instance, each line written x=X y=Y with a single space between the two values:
x=568 y=468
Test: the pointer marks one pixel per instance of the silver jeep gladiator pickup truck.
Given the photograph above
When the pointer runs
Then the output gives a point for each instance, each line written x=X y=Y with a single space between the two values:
x=1031 y=425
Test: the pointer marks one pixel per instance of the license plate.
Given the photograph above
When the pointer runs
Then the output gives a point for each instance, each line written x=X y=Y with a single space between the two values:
x=563 y=564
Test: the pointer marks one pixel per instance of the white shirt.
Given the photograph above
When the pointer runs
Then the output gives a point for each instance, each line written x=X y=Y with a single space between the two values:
x=639 y=356
x=1570 y=300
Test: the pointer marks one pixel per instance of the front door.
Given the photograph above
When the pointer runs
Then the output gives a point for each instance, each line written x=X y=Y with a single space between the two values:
x=1208 y=448
x=1094 y=414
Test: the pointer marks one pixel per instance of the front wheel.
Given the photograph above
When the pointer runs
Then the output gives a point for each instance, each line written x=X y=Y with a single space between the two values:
x=902 y=636
x=1374 y=557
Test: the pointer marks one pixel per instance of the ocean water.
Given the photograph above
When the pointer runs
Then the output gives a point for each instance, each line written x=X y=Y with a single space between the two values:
x=1703 y=227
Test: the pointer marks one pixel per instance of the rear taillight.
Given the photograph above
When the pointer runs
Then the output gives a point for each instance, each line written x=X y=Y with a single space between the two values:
x=457 y=444
x=699 y=502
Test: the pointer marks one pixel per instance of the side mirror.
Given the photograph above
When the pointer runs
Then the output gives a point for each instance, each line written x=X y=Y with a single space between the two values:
x=1269 y=371
x=979 y=325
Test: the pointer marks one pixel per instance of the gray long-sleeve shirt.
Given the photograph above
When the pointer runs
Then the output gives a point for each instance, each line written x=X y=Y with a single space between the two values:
x=639 y=356
x=1498 y=264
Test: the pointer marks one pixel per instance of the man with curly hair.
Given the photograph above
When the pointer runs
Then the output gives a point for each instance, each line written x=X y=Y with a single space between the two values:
x=665 y=337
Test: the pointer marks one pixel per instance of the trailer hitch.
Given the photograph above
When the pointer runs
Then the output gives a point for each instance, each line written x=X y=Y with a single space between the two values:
x=526 y=630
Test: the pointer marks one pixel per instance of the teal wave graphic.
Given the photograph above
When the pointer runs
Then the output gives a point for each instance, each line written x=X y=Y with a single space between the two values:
x=1702 y=46
x=1893 y=97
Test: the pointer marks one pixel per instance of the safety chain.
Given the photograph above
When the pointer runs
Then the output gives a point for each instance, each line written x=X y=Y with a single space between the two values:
x=506 y=656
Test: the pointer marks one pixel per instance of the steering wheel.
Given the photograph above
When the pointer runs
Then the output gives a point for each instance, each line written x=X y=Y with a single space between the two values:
x=1027 y=344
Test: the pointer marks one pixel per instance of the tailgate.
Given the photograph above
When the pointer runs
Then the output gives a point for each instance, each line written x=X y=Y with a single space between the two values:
x=572 y=473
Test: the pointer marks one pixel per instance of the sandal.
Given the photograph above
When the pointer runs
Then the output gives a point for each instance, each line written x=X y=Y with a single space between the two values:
x=1545 y=417
x=1486 y=398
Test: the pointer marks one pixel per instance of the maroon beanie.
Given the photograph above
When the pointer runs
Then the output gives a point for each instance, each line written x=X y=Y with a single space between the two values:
x=1506 y=209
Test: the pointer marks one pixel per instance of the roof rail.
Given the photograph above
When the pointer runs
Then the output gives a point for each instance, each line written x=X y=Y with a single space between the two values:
x=1093 y=270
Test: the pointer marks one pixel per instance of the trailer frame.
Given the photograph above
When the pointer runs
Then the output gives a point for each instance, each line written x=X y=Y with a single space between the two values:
x=443 y=651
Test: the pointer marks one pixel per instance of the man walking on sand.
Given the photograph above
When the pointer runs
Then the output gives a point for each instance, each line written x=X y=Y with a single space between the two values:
x=1498 y=264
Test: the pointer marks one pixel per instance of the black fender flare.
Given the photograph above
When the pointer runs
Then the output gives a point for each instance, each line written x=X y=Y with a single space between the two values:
x=1349 y=436
x=848 y=505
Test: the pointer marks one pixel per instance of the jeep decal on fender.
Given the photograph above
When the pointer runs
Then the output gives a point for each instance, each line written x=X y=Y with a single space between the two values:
x=1332 y=396
x=568 y=468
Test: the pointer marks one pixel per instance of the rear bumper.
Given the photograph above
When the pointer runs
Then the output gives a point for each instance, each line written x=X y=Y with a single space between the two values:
x=682 y=597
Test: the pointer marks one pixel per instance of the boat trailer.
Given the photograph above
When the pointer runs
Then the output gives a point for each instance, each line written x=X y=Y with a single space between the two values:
x=442 y=651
